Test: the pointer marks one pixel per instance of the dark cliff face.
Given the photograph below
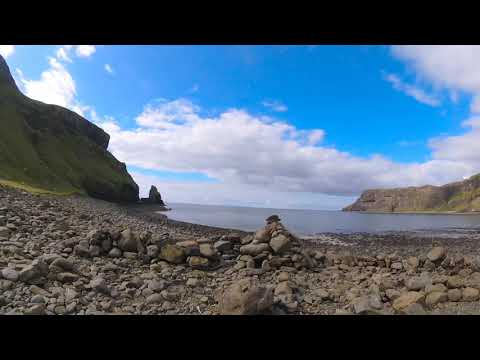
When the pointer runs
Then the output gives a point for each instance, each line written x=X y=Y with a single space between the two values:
x=53 y=148
x=5 y=75
x=462 y=196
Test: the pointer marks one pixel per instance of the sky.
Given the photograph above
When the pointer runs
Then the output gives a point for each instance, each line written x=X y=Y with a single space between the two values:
x=306 y=127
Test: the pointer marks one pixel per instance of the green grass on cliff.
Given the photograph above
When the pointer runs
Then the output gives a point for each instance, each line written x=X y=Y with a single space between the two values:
x=34 y=190
x=50 y=157
x=464 y=201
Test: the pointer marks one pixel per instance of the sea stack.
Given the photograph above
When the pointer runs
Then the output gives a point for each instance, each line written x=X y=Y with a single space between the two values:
x=154 y=197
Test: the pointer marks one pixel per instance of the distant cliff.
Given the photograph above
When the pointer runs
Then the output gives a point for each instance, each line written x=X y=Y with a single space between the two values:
x=462 y=196
x=52 y=148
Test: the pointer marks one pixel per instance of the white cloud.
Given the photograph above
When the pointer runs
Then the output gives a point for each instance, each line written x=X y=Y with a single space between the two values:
x=55 y=86
x=239 y=149
x=411 y=90
x=85 y=50
x=62 y=54
x=275 y=106
x=451 y=67
x=109 y=69
x=315 y=136
x=168 y=115
x=464 y=148
x=7 y=50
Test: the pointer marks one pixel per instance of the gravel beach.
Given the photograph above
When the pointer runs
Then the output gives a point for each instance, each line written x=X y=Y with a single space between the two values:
x=80 y=256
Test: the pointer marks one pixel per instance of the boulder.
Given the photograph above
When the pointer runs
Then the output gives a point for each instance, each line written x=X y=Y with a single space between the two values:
x=473 y=280
x=191 y=247
x=173 y=254
x=280 y=243
x=155 y=299
x=70 y=294
x=454 y=295
x=436 y=254
x=187 y=243
x=366 y=304
x=413 y=309
x=10 y=274
x=436 y=297
x=254 y=249
x=455 y=281
x=392 y=294
x=62 y=263
x=95 y=237
x=81 y=251
x=262 y=236
x=208 y=251
x=413 y=263
x=283 y=288
x=283 y=276
x=99 y=285
x=435 y=288
x=407 y=299
x=197 y=262
x=247 y=239
x=95 y=251
x=156 y=285
x=152 y=251
x=38 y=309
x=470 y=294
x=222 y=246
x=33 y=272
x=245 y=297
x=128 y=241
x=115 y=253
x=418 y=282
x=67 y=277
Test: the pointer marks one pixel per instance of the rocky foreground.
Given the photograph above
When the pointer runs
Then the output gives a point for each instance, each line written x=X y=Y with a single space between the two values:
x=74 y=255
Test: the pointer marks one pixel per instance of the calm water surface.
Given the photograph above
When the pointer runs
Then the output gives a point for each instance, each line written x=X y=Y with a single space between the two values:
x=308 y=222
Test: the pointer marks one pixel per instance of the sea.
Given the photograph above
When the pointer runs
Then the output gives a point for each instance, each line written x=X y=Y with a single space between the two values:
x=311 y=222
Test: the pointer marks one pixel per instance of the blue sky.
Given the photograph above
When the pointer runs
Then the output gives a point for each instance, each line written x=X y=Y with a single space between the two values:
x=281 y=126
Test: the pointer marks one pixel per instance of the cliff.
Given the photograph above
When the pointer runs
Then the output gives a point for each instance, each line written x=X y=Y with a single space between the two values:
x=53 y=148
x=462 y=196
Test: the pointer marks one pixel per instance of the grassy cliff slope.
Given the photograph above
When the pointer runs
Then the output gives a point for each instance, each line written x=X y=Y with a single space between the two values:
x=457 y=197
x=52 y=148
